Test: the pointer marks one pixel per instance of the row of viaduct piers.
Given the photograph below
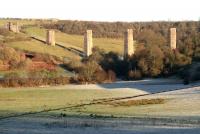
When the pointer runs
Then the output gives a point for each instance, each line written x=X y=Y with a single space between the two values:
x=129 y=43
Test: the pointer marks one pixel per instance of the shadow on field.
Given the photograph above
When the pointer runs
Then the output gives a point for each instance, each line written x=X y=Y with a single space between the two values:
x=149 y=85
x=84 y=125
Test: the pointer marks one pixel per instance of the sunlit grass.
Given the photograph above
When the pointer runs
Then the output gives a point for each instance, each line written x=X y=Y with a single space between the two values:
x=108 y=44
x=39 y=47
x=22 y=100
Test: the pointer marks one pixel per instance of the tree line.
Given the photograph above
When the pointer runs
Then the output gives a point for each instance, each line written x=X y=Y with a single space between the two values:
x=153 y=57
x=147 y=33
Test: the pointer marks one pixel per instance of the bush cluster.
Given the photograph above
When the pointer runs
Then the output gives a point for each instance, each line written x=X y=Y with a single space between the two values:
x=4 y=32
x=32 y=82
x=147 y=61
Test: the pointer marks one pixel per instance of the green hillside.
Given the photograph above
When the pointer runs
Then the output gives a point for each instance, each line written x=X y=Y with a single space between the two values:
x=76 y=41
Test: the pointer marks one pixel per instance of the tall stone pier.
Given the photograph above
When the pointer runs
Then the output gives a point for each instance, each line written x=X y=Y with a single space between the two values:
x=13 y=27
x=17 y=29
x=173 y=38
x=88 y=43
x=9 y=26
x=128 y=43
x=50 y=38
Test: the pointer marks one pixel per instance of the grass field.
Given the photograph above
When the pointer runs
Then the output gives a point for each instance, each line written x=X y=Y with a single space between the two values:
x=178 y=103
x=20 y=41
x=21 y=100
x=31 y=45
x=39 y=47
x=76 y=41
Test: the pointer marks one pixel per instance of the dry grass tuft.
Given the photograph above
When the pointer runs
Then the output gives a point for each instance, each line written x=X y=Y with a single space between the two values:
x=137 y=102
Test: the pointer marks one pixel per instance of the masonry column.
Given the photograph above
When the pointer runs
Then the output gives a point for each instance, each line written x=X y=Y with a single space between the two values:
x=50 y=38
x=9 y=26
x=88 y=43
x=13 y=27
x=17 y=28
x=128 y=43
x=173 y=38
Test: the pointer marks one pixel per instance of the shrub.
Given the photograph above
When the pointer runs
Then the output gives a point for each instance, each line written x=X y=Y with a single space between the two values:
x=10 y=56
x=12 y=75
x=195 y=74
x=26 y=64
x=112 y=61
x=186 y=80
x=4 y=32
x=73 y=65
x=87 y=71
x=181 y=60
x=111 y=75
x=43 y=74
x=100 y=76
x=134 y=75
x=13 y=81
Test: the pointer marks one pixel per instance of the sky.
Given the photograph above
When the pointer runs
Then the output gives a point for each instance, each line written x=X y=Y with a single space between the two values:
x=103 y=10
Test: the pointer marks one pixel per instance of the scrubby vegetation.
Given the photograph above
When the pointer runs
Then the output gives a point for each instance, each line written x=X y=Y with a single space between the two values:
x=14 y=59
x=190 y=73
x=7 y=36
x=90 y=70
x=10 y=58
x=35 y=79
x=153 y=57
x=137 y=102
x=33 y=69
x=148 y=61
x=100 y=67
